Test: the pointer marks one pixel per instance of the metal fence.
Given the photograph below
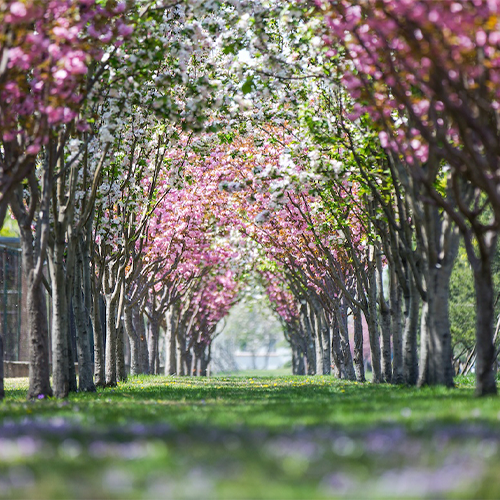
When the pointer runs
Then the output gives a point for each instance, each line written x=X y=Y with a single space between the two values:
x=10 y=297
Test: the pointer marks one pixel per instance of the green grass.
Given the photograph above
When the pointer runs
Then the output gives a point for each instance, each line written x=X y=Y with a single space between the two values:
x=250 y=437
x=275 y=403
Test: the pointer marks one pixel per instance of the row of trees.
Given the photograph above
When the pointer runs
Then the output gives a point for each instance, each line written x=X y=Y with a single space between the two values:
x=156 y=155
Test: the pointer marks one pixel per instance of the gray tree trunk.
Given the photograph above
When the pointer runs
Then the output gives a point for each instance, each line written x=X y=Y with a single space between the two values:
x=298 y=366
x=85 y=376
x=435 y=337
x=338 y=358
x=72 y=356
x=32 y=258
x=385 y=325
x=39 y=371
x=341 y=313
x=410 y=347
x=188 y=360
x=485 y=348
x=170 y=344
x=204 y=362
x=310 y=347
x=318 y=340
x=153 y=336
x=326 y=343
x=135 y=361
x=397 y=340
x=181 y=347
x=435 y=341
x=121 y=371
x=373 y=332
x=359 y=365
x=60 y=323
x=99 y=375
x=138 y=322
x=111 y=340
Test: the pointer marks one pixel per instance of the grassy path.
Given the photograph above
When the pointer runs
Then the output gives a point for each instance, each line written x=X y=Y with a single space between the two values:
x=235 y=437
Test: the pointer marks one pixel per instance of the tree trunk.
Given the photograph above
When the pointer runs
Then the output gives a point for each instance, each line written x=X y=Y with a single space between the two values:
x=111 y=342
x=32 y=258
x=344 y=342
x=310 y=347
x=385 y=328
x=204 y=361
x=188 y=360
x=318 y=340
x=99 y=375
x=121 y=370
x=138 y=323
x=485 y=348
x=373 y=332
x=410 y=348
x=170 y=365
x=397 y=362
x=153 y=334
x=85 y=377
x=39 y=370
x=135 y=361
x=359 y=365
x=326 y=349
x=385 y=324
x=60 y=323
x=72 y=356
x=298 y=367
x=338 y=357
x=435 y=336
x=181 y=346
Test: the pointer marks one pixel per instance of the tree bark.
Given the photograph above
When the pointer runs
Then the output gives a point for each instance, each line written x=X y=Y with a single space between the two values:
x=39 y=372
x=326 y=349
x=338 y=358
x=373 y=332
x=181 y=346
x=60 y=323
x=204 y=361
x=298 y=366
x=344 y=342
x=359 y=365
x=170 y=344
x=153 y=334
x=397 y=341
x=310 y=347
x=485 y=348
x=410 y=347
x=110 y=364
x=138 y=322
x=121 y=371
x=72 y=355
x=33 y=257
x=85 y=376
x=99 y=375
x=435 y=336
x=135 y=361
x=385 y=324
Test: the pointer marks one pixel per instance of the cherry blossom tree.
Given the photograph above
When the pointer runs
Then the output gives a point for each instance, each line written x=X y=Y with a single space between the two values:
x=425 y=73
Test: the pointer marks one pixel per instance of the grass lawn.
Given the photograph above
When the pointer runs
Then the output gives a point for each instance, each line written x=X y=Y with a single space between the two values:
x=251 y=437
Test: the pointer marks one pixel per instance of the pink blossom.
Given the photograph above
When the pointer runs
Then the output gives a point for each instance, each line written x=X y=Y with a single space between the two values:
x=18 y=9
x=33 y=149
